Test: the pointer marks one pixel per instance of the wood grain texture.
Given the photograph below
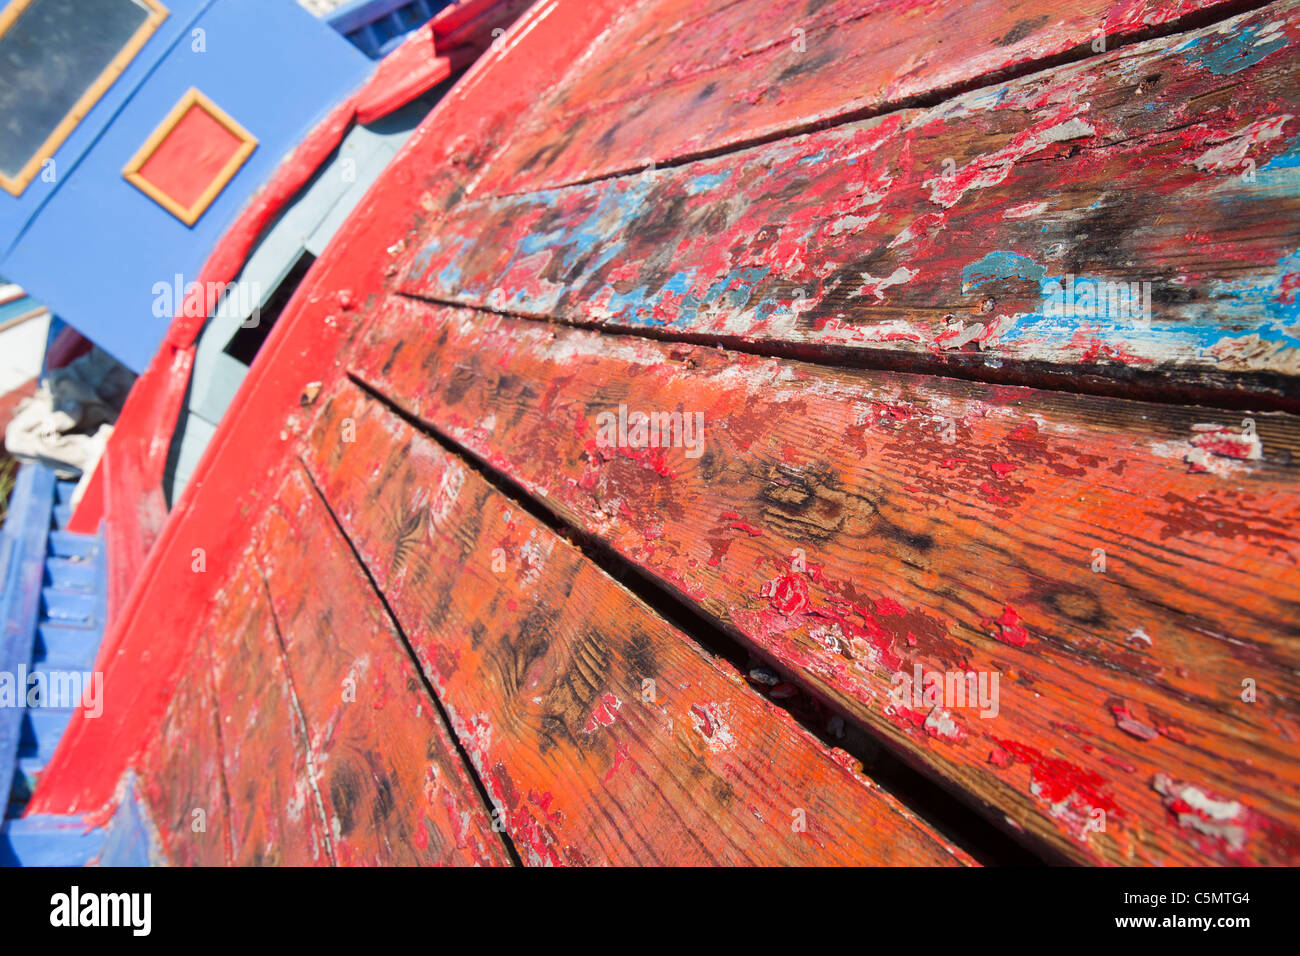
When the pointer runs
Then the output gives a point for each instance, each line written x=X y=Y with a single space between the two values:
x=931 y=235
x=276 y=816
x=947 y=525
x=183 y=774
x=541 y=661
x=391 y=783
x=678 y=78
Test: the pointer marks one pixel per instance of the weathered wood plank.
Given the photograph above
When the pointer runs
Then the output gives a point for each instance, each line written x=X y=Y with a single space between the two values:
x=392 y=785
x=276 y=816
x=182 y=774
x=602 y=735
x=680 y=78
x=935 y=234
x=1125 y=568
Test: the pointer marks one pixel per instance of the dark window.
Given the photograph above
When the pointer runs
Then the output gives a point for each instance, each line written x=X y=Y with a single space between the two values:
x=56 y=58
x=245 y=343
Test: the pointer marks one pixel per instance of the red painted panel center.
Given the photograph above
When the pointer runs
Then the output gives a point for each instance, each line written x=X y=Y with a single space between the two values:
x=191 y=156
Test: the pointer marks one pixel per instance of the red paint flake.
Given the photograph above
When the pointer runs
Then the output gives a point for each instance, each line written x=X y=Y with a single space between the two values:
x=889 y=606
x=1008 y=627
x=1228 y=444
x=992 y=494
x=422 y=835
x=1057 y=781
x=604 y=714
x=952 y=462
x=789 y=594
x=1000 y=758
x=542 y=801
x=749 y=529
x=1002 y=468
x=905 y=717
x=1026 y=432
x=1288 y=287
x=706 y=725
x=846 y=760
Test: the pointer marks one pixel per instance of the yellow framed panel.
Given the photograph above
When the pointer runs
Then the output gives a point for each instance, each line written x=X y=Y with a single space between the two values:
x=190 y=215
x=8 y=16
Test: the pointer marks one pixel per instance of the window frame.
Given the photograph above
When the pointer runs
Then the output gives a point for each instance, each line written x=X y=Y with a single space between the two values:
x=192 y=98
x=17 y=184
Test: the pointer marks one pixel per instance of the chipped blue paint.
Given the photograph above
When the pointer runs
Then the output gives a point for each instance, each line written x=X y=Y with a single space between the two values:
x=1246 y=300
x=1287 y=159
x=420 y=265
x=706 y=182
x=680 y=283
x=1000 y=265
x=1274 y=297
x=1236 y=53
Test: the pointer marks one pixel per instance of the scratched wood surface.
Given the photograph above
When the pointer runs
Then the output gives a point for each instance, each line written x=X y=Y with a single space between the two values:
x=1126 y=570
x=275 y=816
x=948 y=525
x=182 y=779
x=542 y=662
x=388 y=777
x=677 y=78
x=929 y=235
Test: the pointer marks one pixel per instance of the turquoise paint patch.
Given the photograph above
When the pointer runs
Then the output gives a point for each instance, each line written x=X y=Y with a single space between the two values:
x=1278 y=297
x=1000 y=265
x=704 y=183
x=1235 y=53
x=1290 y=159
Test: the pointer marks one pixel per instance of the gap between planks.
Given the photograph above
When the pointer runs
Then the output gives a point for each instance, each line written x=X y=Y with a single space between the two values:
x=461 y=753
x=1136 y=386
x=930 y=797
x=309 y=759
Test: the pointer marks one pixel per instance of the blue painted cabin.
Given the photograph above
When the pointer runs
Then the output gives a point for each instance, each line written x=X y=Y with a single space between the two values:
x=81 y=238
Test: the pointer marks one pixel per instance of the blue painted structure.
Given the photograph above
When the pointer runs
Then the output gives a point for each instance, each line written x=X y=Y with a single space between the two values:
x=53 y=606
x=90 y=245
x=376 y=27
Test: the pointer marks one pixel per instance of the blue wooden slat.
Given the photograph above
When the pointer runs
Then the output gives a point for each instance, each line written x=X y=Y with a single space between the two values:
x=376 y=27
x=69 y=647
x=28 y=528
x=67 y=574
x=49 y=841
x=69 y=607
x=65 y=544
x=353 y=16
x=41 y=729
